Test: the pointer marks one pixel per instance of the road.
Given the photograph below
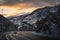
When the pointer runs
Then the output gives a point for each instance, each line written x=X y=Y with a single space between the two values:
x=24 y=35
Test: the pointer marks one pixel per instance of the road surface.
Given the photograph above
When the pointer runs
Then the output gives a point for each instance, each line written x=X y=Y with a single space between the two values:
x=24 y=35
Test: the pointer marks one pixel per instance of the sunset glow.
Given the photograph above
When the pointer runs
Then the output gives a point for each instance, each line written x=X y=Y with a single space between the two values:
x=16 y=9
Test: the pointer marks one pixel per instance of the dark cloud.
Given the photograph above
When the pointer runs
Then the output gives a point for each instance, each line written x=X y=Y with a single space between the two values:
x=9 y=2
x=35 y=2
x=53 y=2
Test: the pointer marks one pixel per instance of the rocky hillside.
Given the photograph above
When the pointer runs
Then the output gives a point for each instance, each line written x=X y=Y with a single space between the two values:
x=5 y=24
x=41 y=16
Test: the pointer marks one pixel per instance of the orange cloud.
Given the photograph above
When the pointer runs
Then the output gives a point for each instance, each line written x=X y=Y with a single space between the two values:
x=16 y=9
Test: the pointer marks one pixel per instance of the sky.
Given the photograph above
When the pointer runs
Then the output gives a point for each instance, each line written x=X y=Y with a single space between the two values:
x=19 y=7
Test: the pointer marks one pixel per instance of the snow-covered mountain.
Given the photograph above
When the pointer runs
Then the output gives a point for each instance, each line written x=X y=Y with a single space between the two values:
x=38 y=18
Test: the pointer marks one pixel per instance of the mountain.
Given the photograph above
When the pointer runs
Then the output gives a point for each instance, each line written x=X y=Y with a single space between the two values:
x=45 y=19
x=39 y=17
x=18 y=21
x=5 y=24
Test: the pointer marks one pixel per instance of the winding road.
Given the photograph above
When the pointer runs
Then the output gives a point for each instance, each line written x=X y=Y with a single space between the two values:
x=24 y=35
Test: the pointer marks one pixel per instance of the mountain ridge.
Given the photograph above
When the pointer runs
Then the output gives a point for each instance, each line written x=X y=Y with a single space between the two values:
x=38 y=14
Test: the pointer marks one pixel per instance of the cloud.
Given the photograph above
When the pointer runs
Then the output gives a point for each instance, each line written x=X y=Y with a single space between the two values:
x=34 y=2
x=13 y=7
